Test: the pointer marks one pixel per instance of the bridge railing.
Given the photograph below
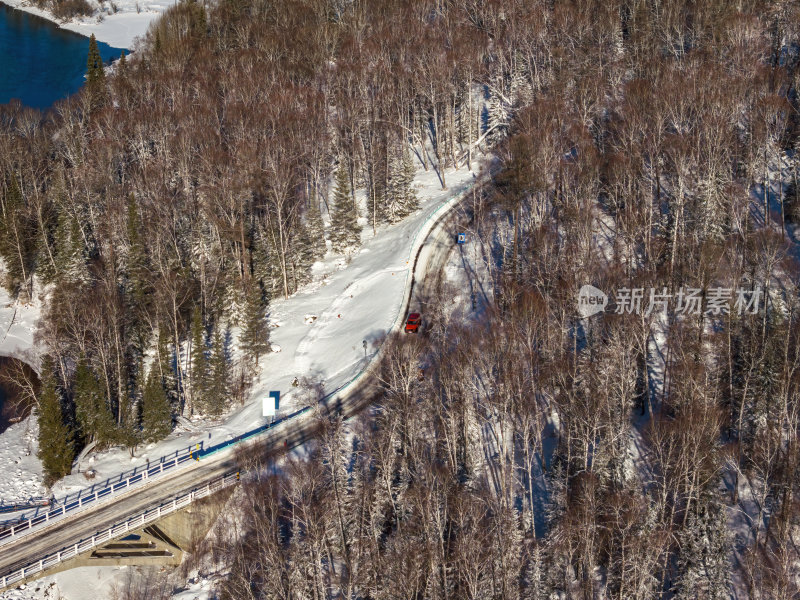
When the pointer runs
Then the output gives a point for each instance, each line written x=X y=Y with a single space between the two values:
x=148 y=516
x=92 y=496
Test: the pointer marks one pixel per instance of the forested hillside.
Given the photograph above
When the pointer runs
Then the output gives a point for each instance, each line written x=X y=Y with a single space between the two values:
x=648 y=451
x=171 y=200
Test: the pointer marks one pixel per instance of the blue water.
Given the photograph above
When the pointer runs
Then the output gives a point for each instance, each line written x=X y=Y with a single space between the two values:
x=40 y=63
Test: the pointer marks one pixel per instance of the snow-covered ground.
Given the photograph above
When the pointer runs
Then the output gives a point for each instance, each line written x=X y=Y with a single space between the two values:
x=465 y=270
x=117 y=23
x=352 y=302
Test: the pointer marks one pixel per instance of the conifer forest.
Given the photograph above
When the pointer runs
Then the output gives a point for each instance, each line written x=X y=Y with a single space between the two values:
x=532 y=452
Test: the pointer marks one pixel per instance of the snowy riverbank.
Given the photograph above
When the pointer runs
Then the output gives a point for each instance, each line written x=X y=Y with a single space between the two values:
x=118 y=23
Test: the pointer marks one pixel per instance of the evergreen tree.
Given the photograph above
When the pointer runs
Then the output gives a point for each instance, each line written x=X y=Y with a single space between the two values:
x=219 y=376
x=498 y=118
x=71 y=256
x=95 y=76
x=407 y=194
x=138 y=296
x=231 y=303
x=16 y=242
x=379 y=209
x=137 y=257
x=165 y=360
x=703 y=556
x=391 y=207
x=55 y=438
x=315 y=231
x=91 y=409
x=255 y=332
x=345 y=230
x=262 y=265
x=156 y=411
x=45 y=239
x=199 y=360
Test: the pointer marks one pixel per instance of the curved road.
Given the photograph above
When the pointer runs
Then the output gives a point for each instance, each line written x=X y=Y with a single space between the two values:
x=29 y=549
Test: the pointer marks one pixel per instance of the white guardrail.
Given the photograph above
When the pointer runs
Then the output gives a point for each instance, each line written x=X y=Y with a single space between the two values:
x=92 y=497
x=140 y=520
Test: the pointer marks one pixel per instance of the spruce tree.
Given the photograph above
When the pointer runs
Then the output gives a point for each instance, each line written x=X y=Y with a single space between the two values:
x=156 y=412
x=71 y=257
x=165 y=360
x=391 y=208
x=401 y=196
x=138 y=296
x=498 y=118
x=255 y=332
x=137 y=257
x=315 y=230
x=219 y=376
x=410 y=199
x=55 y=438
x=702 y=559
x=345 y=230
x=45 y=247
x=16 y=242
x=91 y=409
x=262 y=263
x=95 y=76
x=199 y=360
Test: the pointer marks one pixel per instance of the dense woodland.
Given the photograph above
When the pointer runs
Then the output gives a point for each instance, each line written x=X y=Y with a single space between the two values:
x=640 y=143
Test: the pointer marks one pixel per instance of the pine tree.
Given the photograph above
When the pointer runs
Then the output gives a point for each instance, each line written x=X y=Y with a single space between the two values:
x=345 y=230
x=262 y=265
x=137 y=287
x=137 y=257
x=381 y=174
x=122 y=66
x=498 y=118
x=392 y=205
x=95 y=76
x=71 y=256
x=45 y=247
x=91 y=409
x=410 y=201
x=703 y=566
x=219 y=376
x=16 y=244
x=165 y=360
x=315 y=231
x=55 y=438
x=156 y=411
x=255 y=332
x=199 y=360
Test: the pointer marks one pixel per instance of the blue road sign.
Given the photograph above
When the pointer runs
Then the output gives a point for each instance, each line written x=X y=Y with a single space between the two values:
x=462 y=238
x=271 y=404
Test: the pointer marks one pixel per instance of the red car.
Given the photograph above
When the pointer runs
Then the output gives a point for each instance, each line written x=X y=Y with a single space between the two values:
x=413 y=323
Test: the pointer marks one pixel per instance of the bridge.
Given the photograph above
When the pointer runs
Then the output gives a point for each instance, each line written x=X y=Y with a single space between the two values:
x=137 y=520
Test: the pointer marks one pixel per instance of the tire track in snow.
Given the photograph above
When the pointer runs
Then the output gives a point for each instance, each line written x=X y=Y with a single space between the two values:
x=302 y=357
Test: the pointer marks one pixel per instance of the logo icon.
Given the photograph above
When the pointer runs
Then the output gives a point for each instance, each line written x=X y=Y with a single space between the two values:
x=591 y=301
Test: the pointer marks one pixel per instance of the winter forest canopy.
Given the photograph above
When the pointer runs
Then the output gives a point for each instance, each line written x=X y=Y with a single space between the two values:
x=638 y=144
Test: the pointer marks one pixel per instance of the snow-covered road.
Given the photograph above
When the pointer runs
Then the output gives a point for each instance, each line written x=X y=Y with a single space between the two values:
x=352 y=302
